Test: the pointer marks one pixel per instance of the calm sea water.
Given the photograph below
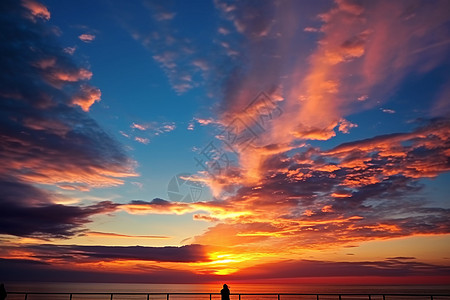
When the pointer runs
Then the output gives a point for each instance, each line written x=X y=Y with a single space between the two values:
x=215 y=288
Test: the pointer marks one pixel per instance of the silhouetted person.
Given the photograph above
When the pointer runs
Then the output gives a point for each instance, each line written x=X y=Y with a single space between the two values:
x=225 y=292
x=3 y=293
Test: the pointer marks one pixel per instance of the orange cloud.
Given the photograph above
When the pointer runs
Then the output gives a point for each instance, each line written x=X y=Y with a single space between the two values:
x=70 y=75
x=37 y=9
x=86 y=97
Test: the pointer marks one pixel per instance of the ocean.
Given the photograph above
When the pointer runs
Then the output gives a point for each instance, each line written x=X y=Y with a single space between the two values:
x=236 y=288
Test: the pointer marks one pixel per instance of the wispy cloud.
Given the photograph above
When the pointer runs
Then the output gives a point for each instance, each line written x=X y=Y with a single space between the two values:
x=142 y=140
x=140 y=126
x=162 y=16
x=311 y=29
x=144 y=132
x=181 y=57
x=387 y=110
x=70 y=50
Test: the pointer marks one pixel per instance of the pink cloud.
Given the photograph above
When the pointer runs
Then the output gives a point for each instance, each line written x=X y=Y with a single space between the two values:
x=223 y=30
x=363 y=98
x=202 y=121
x=142 y=127
x=86 y=37
x=142 y=140
x=310 y=29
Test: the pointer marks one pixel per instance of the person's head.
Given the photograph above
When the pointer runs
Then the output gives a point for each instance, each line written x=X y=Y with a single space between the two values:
x=225 y=286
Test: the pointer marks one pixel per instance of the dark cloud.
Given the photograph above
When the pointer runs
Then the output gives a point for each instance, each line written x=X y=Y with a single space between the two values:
x=313 y=268
x=45 y=135
x=75 y=253
x=31 y=270
x=29 y=211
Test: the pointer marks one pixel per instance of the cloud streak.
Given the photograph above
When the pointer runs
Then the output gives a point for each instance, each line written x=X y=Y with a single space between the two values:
x=126 y=236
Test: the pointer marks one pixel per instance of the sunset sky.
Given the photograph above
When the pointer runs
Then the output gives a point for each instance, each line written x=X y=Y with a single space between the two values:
x=203 y=141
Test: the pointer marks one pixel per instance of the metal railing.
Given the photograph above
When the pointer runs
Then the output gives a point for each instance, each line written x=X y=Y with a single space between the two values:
x=241 y=296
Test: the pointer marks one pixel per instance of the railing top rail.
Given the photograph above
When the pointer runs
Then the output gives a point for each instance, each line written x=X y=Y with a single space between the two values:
x=243 y=294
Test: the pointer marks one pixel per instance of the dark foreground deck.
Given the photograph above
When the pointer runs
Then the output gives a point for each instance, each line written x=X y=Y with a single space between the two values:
x=216 y=296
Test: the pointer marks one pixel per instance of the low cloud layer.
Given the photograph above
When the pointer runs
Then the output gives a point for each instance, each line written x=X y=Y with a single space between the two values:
x=308 y=270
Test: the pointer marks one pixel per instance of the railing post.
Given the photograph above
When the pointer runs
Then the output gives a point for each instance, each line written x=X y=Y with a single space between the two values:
x=278 y=296
x=70 y=296
x=239 y=296
x=431 y=297
x=384 y=297
x=340 y=297
x=168 y=296
x=112 y=295
x=26 y=296
x=210 y=296
x=317 y=297
x=148 y=296
x=370 y=298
